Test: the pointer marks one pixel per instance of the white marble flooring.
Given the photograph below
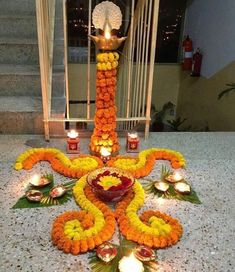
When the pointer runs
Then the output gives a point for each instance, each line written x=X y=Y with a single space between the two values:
x=208 y=240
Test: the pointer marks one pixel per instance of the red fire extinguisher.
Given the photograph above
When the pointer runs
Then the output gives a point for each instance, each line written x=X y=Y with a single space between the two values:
x=188 y=54
x=197 y=62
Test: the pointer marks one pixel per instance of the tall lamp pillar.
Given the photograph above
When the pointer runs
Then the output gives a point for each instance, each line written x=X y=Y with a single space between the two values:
x=104 y=134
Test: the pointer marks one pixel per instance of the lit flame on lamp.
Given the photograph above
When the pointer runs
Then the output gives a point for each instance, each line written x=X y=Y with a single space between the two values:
x=72 y=134
x=35 y=179
x=130 y=263
x=104 y=152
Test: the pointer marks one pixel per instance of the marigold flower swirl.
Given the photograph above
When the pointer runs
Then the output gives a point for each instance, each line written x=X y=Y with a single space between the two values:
x=144 y=163
x=75 y=167
x=79 y=231
x=152 y=228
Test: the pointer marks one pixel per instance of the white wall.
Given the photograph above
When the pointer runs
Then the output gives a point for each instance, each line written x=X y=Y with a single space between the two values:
x=211 y=25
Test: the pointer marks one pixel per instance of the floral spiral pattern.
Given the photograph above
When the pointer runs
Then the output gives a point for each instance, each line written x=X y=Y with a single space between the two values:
x=75 y=168
x=140 y=166
x=80 y=231
x=90 y=227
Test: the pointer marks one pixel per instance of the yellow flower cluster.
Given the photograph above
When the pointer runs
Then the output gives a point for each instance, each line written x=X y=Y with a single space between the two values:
x=85 y=204
x=74 y=230
x=107 y=61
x=158 y=226
x=134 y=164
x=161 y=226
x=84 y=163
x=108 y=181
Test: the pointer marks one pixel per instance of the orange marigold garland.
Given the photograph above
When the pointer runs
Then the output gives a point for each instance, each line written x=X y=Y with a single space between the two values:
x=104 y=134
x=80 y=231
x=75 y=167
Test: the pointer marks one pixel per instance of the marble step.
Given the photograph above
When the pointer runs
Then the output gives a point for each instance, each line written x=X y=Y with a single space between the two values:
x=18 y=26
x=17 y=7
x=24 y=80
x=25 y=51
x=23 y=115
x=25 y=26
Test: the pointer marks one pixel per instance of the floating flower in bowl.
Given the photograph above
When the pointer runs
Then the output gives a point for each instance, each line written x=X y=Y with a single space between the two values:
x=110 y=184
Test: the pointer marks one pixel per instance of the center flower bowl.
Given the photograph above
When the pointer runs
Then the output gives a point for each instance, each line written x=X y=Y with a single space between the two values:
x=110 y=184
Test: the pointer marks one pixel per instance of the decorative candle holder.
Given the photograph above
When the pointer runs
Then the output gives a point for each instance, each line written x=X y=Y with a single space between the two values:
x=105 y=155
x=34 y=195
x=106 y=252
x=175 y=177
x=39 y=181
x=161 y=186
x=182 y=188
x=132 y=142
x=144 y=253
x=73 y=142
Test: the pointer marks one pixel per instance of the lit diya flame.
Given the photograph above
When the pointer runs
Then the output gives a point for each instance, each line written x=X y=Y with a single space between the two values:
x=182 y=188
x=130 y=263
x=72 y=134
x=38 y=181
x=106 y=252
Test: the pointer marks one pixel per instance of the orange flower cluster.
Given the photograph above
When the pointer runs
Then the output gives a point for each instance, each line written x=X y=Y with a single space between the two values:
x=133 y=234
x=104 y=134
x=142 y=165
x=68 y=245
x=59 y=162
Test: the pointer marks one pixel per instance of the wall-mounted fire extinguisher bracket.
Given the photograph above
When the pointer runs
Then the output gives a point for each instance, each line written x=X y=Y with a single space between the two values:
x=187 y=54
x=197 y=63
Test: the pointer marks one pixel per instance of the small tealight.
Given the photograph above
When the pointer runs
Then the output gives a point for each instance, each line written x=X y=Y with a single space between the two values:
x=161 y=186
x=182 y=188
x=105 y=155
x=39 y=181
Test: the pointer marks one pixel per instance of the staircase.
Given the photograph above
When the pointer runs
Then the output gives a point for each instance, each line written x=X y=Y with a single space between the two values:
x=20 y=88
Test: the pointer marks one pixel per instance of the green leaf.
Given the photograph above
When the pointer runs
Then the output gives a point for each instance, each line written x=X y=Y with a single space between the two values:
x=23 y=202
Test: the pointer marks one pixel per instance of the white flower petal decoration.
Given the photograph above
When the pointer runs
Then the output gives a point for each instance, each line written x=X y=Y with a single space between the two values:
x=104 y=12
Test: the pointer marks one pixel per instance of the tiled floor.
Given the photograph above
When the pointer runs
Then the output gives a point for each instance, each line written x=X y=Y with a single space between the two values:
x=208 y=240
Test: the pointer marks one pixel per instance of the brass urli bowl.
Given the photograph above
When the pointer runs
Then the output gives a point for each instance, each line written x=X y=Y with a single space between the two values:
x=109 y=195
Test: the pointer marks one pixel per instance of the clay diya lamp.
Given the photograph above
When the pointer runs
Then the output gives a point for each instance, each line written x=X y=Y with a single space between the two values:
x=161 y=186
x=57 y=191
x=34 y=195
x=182 y=188
x=144 y=253
x=106 y=252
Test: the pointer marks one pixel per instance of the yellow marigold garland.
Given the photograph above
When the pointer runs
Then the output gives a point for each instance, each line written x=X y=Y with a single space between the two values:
x=75 y=167
x=142 y=165
x=79 y=231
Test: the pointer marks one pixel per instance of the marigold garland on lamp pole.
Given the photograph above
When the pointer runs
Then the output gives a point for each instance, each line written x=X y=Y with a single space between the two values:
x=106 y=16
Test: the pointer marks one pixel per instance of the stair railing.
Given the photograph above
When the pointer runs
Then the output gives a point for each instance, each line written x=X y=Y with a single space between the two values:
x=45 y=11
x=137 y=66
